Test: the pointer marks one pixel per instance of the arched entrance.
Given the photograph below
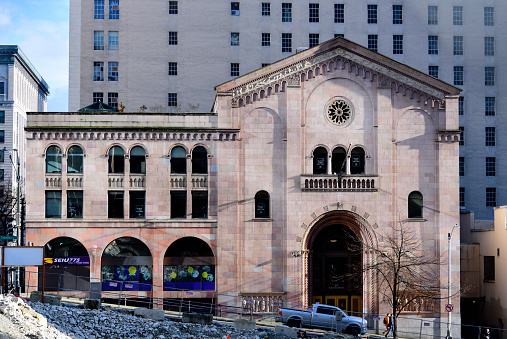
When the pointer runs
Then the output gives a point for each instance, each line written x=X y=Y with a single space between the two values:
x=67 y=265
x=334 y=262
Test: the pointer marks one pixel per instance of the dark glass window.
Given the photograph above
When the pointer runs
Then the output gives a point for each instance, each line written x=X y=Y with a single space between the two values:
x=266 y=39
x=199 y=160
x=98 y=97
x=99 y=9
x=114 y=9
x=74 y=204
x=461 y=166
x=98 y=71
x=357 y=157
x=489 y=268
x=115 y=204
x=320 y=161
x=172 y=99
x=490 y=103
x=462 y=196
x=372 y=14
x=173 y=68
x=2 y=117
x=54 y=160
x=397 y=44
x=313 y=39
x=415 y=205
x=266 y=9
x=75 y=160
x=53 y=204
x=338 y=161
x=286 y=42
x=262 y=205
x=178 y=160
x=173 y=7
x=373 y=42
x=178 y=204
x=339 y=13
x=490 y=136
x=138 y=160
x=490 y=196
x=199 y=204
x=313 y=14
x=286 y=12
x=397 y=14
x=116 y=160
x=234 y=69
x=137 y=204
x=234 y=8
x=490 y=166
x=112 y=99
x=173 y=38
x=461 y=106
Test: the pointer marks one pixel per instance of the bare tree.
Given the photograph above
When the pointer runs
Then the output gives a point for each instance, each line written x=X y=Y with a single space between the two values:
x=408 y=274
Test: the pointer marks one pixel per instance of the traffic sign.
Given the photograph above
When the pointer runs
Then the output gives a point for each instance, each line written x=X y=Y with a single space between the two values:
x=449 y=307
x=8 y=237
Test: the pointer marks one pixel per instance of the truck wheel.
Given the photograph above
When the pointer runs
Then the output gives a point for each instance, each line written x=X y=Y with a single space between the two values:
x=294 y=323
x=352 y=331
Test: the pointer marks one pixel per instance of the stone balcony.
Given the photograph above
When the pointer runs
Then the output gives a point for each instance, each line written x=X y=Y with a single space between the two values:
x=345 y=183
x=74 y=180
x=115 y=180
x=53 y=180
x=137 y=181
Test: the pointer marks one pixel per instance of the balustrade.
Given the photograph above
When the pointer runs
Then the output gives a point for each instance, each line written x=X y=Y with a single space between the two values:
x=358 y=182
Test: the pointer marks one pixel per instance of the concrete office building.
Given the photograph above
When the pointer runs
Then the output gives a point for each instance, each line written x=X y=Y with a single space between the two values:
x=167 y=55
x=22 y=89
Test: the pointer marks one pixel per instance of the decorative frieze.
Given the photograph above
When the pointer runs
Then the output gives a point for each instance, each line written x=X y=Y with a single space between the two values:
x=137 y=136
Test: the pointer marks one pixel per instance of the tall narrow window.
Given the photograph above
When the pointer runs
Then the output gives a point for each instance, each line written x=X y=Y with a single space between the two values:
x=2 y=175
x=173 y=68
x=199 y=160
x=116 y=160
x=234 y=39
x=2 y=117
x=357 y=157
x=54 y=160
x=99 y=9
x=172 y=99
x=313 y=39
x=137 y=204
x=74 y=204
x=262 y=205
x=113 y=40
x=432 y=44
x=415 y=205
x=98 y=40
x=462 y=136
x=490 y=196
x=178 y=160
x=199 y=204
x=178 y=204
x=432 y=15
x=490 y=103
x=373 y=42
x=320 y=161
x=372 y=14
x=339 y=13
x=286 y=42
x=286 y=12
x=489 y=16
x=339 y=161
x=98 y=71
x=489 y=46
x=53 y=204
x=266 y=39
x=75 y=160
x=266 y=9
x=489 y=76
x=462 y=196
x=489 y=268
x=457 y=45
x=138 y=160
x=490 y=166
x=173 y=38
x=234 y=8
x=458 y=76
x=112 y=71
x=234 y=69
x=115 y=204
x=397 y=44
x=313 y=12
x=461 y=166
x=173 y=7
x=461 y=105
x=490 y=136
x=114 y=9
x=397 y=14
x=112 y=99
x=457 y=15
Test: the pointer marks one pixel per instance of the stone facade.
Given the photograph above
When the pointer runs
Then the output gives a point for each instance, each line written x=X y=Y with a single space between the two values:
x=273 y=182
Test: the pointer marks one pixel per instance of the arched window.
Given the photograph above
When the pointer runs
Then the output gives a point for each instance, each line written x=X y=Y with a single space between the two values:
x=357 y=161
x=116 y=160
x=138 y=160
x=199 y=160
x=338 y=161
x=415 y=205
x=54 y=160
x=262 y=204
x=320 y=161
x=178 y=160
x=75 y=160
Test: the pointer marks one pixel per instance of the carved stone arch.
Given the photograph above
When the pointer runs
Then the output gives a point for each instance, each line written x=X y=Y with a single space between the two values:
x=362 y=224
x=323 y=146
x=255 y=97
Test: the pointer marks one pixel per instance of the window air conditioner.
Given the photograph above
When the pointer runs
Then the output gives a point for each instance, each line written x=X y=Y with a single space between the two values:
x=234 y=12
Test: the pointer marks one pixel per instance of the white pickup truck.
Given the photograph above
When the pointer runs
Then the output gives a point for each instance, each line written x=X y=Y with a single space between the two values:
x=323 y=317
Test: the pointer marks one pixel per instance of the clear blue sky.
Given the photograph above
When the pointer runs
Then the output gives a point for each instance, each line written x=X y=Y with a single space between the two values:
x=41 y=29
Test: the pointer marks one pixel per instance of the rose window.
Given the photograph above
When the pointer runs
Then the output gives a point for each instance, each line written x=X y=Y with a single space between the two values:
x=339 y=112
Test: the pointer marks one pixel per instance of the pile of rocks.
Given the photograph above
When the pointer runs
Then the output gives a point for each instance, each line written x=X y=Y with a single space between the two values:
x=21 y=319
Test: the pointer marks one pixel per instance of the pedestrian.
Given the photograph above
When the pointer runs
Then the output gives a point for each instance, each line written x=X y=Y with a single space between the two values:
x=387 y=323
x=391 y=325
x=486 y=334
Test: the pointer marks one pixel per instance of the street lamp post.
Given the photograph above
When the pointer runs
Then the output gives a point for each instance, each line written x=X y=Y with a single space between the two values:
x=449 y=237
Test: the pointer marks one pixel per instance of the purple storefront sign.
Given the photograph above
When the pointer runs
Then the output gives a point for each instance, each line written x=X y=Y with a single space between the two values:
x=67 y=261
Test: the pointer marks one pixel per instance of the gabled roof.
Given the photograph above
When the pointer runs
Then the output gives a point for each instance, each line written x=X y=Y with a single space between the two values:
x=98 y=107
x=344 y=53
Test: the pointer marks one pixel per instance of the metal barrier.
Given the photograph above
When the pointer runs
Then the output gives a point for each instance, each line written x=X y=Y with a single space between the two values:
x=239 y=306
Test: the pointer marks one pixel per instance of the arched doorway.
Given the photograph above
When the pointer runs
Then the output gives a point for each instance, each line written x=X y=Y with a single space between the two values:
x=334 y=262
x=127 y=265
x=67 y=266
x=189 y=265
